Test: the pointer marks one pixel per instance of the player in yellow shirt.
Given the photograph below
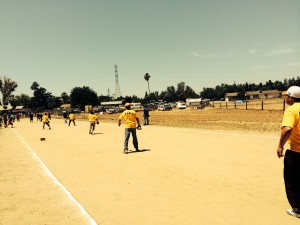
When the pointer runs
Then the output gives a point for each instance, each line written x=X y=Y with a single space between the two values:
x=93 y=120
x=45 y=121
x=72 y=118
x=290 y=132
x=131 y=118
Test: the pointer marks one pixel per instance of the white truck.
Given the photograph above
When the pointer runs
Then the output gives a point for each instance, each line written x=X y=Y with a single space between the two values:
x=198 y=103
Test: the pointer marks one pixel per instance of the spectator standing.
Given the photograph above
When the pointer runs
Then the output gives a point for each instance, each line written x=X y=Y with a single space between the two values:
x=31 y=117
x=146 y=116
x=290 y=132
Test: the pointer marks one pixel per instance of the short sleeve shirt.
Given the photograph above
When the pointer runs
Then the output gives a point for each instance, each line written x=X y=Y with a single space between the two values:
x=291 y=119
x=92 y=118
x=72 y=116
x=45 y=119
x=130 y=118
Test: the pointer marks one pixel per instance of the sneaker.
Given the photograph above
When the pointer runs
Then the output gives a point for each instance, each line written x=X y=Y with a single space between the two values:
x=125 y=150
x=137 y=150
x=291 y=212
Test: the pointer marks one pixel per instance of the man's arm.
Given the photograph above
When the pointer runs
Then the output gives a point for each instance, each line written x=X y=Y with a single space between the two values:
x=285 y=135
x=138 y=121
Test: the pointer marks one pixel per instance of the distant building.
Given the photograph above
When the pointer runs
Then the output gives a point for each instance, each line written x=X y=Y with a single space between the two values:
x=254 y=95
x=65 y=106
x=263 y=94
x=231 y=96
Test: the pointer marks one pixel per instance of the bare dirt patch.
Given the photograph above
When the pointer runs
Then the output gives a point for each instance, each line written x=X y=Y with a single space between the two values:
x=211 y=118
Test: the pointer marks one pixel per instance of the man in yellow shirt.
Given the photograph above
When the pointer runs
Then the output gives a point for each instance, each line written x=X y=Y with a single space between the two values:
x=131 y=118
x=290 y=131
x=45 y=121
x=93 y=120
x=72 y=118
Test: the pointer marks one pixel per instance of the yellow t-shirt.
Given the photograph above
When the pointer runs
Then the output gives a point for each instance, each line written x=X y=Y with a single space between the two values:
x=92 y=118
x=72 y=116
x=45 y=119
x=291 y=119
x=130 y=118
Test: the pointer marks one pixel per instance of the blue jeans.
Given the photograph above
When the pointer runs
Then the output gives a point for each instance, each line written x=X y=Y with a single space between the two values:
x=134 y=138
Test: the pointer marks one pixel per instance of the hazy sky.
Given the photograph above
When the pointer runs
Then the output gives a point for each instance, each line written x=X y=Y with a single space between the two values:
x=62 y=44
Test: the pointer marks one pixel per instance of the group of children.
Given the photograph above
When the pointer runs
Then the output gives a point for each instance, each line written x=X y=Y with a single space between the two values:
x=7 y=120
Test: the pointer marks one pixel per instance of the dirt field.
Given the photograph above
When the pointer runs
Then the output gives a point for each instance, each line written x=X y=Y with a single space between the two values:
x=213 y=118
x=227 y=173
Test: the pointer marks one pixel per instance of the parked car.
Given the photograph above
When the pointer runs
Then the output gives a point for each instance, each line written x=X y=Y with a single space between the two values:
x=76 y=110
x=168 y=106
x=173 y=104
x=164 y=107
x=181 y=105
x=111 y=110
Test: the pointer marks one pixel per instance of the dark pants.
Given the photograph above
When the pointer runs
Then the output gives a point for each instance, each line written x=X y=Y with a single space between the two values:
x=71 y=121
x=292 y=178
x=146 y=120
x=134 y=138
x=46 y=123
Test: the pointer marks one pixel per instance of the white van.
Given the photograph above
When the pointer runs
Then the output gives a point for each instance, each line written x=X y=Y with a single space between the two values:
x=137 y=106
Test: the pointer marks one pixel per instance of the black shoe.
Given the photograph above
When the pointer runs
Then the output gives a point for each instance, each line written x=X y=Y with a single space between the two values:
x=125 y=150
x=137 y=150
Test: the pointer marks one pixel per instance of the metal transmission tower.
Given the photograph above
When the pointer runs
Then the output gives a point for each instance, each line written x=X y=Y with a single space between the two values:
x=117 y=89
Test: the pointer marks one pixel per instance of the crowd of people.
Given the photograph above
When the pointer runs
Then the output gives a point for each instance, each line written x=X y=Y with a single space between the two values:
x=9 y=118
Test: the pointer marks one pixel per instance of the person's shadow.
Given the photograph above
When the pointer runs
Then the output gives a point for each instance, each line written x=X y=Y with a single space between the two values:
x=140 y=151
x=96 y=133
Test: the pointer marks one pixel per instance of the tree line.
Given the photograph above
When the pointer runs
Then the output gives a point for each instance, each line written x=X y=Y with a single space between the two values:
x=81 y=96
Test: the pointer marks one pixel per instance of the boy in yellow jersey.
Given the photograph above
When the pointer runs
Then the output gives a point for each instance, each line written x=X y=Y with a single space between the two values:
x=131 y=118
x=45 y=121
x=92 y=119
x=290 y=131
x=72 y=118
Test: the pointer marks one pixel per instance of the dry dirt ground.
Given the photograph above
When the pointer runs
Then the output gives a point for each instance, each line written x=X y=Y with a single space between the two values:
x=211 y=166
x=214 y=118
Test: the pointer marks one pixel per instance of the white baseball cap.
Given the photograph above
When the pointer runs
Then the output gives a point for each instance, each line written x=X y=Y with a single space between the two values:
x=293 y=91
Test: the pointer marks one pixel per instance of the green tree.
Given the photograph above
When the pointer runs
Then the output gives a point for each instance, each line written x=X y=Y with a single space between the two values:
x=104 y=98
x=180 y=91
x=82 y=96
x=150 y=97
x=127 y=99
x=54 y=102
x=42 y=99
x=23 y=100
x=190 y=93
x=65 y=98
x=208 y=93
x=7 y=87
